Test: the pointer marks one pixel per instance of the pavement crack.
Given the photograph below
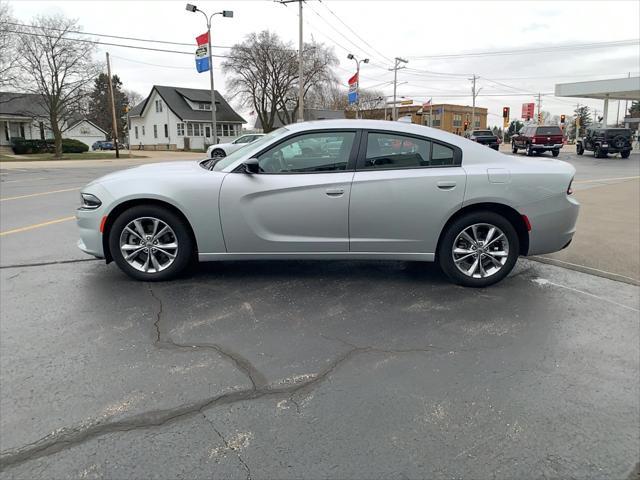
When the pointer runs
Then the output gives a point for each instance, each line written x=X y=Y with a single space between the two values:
x=228 y=447
x=44 y=264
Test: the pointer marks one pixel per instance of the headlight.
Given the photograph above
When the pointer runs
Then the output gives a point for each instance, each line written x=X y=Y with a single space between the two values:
x=89 y=202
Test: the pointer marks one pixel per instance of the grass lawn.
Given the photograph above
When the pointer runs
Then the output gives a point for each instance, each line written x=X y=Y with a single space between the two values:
x=35 y=157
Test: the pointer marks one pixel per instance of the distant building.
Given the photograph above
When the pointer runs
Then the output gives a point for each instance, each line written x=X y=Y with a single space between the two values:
x=174 y=118
x=450 y=118
x=309 y=114
x=22 y=116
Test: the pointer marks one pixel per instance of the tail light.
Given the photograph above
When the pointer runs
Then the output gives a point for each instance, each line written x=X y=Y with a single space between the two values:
x=569 y=189
x=533 y=140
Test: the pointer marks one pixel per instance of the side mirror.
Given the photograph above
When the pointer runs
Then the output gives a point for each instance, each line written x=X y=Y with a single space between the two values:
x=251 y=166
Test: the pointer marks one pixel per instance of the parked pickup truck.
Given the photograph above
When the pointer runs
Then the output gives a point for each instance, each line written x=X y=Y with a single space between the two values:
x=485 y=137
x=538 y=139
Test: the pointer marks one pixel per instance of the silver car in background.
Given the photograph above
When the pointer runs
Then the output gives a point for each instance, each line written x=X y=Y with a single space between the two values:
x=335 y=189
x=223 y=149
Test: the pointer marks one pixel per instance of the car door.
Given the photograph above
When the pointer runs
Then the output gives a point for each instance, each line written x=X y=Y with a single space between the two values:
x=299 y=202
x=404 y=190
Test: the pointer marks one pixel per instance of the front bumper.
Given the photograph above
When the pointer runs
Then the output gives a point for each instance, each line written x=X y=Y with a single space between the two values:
x=553 y=223
x=90 y=241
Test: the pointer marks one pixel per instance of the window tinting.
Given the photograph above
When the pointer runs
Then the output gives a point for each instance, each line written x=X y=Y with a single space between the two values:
x=396 y=151
x=548 y=131
x=314 y=152
x=441 y=156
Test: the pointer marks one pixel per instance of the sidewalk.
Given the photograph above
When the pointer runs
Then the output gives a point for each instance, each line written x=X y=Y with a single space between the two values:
x=607 y=240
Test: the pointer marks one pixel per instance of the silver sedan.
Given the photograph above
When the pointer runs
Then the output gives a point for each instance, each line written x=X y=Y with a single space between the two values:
x=335 y=189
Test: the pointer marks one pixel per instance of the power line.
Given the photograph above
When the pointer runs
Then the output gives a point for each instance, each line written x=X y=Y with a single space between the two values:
x=148 y=40
x=352 y=31
x=151 y=64
x=550 y=48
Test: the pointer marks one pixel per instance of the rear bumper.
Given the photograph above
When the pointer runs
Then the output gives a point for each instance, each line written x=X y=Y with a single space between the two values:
x=553 y=223
x=555 y=146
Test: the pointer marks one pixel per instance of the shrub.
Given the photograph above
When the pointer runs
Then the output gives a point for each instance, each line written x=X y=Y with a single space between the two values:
x=23 y=147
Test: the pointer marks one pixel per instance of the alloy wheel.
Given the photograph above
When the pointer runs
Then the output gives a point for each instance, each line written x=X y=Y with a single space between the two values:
x=148 y=244
x=480 y=250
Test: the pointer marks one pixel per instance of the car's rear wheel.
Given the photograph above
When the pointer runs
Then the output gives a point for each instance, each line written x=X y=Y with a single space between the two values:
x=479 y=249
x=599 y=153
x=150 y=243
x=514 y=149
x=218 y=153
x=529 y=151
x=555 y=153
x=579 y=149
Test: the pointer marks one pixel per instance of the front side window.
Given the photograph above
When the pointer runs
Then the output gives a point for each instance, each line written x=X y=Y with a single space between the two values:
x=388 y=150
x=309 y=153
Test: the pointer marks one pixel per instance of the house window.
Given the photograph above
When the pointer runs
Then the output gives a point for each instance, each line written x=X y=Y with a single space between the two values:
x=219 y=129
x=457 y=120
x=155 y=131
x=207 y=131
x=158 y=106
x=6 y=130
x=180 y=128
x=166 y=130
x=190 y=129
x=22 y=130
x=41 y=125
x=196 y=129
x=436 y=120
x=477 y=122
x=225 y=130
x=204 y=106
x=136 y=132
x=143 y=131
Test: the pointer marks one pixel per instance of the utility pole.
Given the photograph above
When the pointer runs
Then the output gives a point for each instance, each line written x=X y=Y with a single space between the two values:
x=300 y=69
x=539 y=105
x=113 y=109
x=624 y=114
x=395 y=69
x=474 y=94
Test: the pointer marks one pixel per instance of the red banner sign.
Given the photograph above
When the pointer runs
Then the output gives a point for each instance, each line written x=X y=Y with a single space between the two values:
x=528 y=110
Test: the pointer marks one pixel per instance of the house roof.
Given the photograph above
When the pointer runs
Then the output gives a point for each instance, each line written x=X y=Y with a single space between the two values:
x=21 y=105
x=309 y=114
x=175 y=97
x=75 y=123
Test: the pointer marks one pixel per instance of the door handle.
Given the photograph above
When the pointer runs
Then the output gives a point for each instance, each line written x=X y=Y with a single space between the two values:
x=335 y=192
x=446 y=184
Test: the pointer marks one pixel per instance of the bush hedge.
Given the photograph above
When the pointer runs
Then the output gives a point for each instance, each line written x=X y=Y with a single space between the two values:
x=21 y=146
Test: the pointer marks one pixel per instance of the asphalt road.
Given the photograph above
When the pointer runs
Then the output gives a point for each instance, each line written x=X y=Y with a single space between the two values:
x=304 y=369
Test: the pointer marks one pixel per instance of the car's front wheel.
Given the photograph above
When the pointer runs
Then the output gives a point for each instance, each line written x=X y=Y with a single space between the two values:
x=529 y=151
x=555 y=153
x=478 y=249
x=514 y=149
x=150 y=243
x=625 y=154
x=579 y=149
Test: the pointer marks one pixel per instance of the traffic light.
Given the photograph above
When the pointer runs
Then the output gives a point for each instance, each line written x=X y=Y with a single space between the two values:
x=505 y=112
x=539 y=118
x=466 y=125
x=562 y=118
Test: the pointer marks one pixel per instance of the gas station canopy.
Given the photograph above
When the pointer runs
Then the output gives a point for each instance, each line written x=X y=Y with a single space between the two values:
x=612 y=89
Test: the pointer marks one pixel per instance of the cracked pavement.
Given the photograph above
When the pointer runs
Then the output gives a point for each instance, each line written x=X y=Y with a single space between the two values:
x=312 y=369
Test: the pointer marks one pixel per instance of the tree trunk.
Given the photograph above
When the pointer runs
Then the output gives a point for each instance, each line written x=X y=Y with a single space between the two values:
x=57 y=136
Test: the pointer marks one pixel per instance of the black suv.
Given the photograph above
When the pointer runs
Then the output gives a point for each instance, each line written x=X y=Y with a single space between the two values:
x=603 y=140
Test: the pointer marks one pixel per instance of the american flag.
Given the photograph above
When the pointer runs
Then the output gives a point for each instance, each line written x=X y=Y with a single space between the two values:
x=427 y=103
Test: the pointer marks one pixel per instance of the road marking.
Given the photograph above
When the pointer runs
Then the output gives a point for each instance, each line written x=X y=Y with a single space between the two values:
x=37 y=225
x=544 y=281
x=552 y=261
x=598 y=180
x=39 y=194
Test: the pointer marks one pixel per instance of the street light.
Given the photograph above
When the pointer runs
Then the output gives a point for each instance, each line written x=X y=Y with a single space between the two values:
x=228 y=14
x=366 y=60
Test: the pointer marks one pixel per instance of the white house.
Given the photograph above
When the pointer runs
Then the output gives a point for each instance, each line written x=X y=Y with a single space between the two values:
x=85 y=131
x=23 y=116
x=173 y=118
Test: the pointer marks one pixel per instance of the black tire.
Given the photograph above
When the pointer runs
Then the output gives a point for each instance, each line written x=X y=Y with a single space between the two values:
x=555 y=153
x=579 y=149
x=183 y=255
x=529 y=151
x=218 y=153
x=514 y=149
x=445 y=256
x=599 y=153
x=625 y=154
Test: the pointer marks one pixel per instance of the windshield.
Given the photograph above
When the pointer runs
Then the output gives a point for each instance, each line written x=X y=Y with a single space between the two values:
x=482 y=132
x=229 y=159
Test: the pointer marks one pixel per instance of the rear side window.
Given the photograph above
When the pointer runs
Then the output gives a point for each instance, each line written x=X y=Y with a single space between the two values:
x=395 y=151
x=548 y=131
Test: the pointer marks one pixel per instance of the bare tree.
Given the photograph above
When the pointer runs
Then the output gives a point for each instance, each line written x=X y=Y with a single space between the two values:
x=263 y=75
x=59 y=69
x=9 y=66
x=133 y=97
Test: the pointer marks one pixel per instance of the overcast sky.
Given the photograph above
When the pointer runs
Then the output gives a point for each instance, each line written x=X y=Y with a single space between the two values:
x=409 y=29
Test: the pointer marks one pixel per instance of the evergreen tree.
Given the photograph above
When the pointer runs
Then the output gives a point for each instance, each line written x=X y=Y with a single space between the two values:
x=584 y=114
x=100 y=104
x=634 y=109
